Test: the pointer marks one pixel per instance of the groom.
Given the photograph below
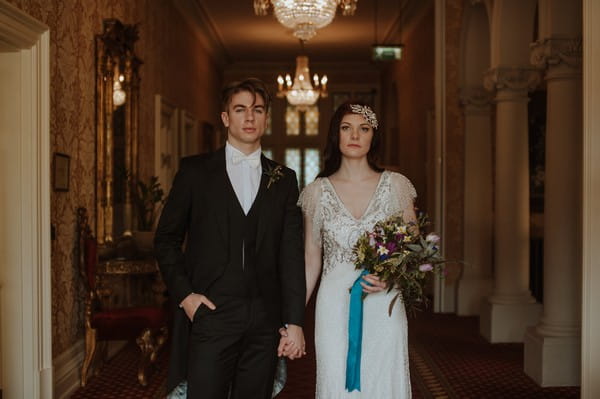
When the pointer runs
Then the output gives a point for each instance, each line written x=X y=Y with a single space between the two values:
x=239 y=277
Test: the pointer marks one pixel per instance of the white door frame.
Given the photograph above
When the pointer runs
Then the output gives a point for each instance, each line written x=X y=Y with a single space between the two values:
x=26 y=336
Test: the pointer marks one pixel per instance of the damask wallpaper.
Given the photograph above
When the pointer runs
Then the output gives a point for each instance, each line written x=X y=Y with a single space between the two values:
x=176 y=66
x=455 y=153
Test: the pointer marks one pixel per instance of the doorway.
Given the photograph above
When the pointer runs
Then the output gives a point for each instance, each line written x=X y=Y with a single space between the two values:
x=25 y=301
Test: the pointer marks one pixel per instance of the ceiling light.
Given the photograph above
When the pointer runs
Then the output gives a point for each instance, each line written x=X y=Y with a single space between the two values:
x=300 y=91
x=304 y=17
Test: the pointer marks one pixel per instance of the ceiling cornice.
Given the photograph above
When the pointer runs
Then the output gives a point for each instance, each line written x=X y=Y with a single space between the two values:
x=197 y=18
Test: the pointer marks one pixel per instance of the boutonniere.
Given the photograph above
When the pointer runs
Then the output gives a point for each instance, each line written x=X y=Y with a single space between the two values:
x=274 y=174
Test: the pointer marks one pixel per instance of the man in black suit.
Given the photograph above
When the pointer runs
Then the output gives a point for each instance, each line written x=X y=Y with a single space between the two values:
x=240 y=276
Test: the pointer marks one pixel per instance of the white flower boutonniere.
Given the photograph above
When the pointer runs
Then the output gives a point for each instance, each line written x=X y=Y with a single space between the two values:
x=274 y=174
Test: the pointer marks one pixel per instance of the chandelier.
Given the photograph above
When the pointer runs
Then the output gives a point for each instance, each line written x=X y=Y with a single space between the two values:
x=301 y=92
x=304 y=17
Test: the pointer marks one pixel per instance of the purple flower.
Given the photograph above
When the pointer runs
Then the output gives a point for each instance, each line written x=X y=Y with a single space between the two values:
x=391 y=246
x=426 y=267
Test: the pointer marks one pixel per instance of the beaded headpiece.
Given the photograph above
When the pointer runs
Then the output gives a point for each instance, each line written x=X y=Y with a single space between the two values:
x=366 y=112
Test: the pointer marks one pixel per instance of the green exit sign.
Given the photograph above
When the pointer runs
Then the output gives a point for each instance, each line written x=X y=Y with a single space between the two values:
x=387 y=53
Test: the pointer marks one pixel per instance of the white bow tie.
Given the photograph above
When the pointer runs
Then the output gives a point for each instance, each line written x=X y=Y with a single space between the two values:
x=253 y=160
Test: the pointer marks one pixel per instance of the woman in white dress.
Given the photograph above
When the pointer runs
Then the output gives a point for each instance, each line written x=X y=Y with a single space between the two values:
x=350 y=195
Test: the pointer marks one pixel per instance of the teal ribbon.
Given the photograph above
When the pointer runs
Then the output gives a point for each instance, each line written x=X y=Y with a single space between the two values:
x=355 y=322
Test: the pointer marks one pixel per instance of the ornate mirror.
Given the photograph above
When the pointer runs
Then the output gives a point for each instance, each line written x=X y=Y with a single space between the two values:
x=117 y=103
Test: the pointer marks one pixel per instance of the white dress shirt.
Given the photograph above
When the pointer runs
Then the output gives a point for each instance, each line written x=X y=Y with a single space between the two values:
x=244 y=174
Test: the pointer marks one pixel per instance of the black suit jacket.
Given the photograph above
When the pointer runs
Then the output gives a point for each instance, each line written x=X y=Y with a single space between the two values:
x=196 y=212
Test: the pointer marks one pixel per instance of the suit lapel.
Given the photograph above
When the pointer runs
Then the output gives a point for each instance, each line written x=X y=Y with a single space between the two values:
x=217 y=191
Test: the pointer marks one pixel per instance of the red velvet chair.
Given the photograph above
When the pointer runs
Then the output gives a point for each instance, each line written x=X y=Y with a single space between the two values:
x=147 y=325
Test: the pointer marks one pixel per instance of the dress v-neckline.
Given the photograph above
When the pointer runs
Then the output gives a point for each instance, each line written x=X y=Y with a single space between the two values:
x=366 y=211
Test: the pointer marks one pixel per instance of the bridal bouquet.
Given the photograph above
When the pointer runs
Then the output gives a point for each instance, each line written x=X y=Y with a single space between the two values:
x=400 y=253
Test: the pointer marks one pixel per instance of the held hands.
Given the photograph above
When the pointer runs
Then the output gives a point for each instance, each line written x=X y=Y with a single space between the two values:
x=291 y=344
x=192 y=302
x=376 y=285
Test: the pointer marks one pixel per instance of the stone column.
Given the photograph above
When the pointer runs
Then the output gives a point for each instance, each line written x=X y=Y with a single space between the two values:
x=511 y=308
x=552 y=348
x=476 y=279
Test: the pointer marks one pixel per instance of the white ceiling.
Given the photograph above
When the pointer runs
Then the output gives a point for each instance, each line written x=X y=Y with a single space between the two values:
x=245 y=37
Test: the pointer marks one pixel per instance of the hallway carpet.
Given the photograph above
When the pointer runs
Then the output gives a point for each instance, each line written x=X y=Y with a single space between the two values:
x=118 y=378
x=448 y=360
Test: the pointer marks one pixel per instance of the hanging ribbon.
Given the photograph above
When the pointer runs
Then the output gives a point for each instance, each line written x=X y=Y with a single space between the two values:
x=355 y=322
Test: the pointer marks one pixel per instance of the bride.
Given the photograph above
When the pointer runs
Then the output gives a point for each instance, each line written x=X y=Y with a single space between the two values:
x=349 y=196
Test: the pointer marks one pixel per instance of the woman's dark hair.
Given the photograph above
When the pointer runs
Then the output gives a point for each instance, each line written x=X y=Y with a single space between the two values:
x=252 y=85
x=332 y=154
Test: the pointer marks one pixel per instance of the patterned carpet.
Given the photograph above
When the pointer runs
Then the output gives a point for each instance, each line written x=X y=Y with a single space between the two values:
x=464 y=365
x=448 y=359
x=118 y=378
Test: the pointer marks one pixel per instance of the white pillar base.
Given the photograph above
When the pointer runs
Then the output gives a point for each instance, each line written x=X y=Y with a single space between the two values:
x=501 y=322
x=552 y=361
x=471 y=293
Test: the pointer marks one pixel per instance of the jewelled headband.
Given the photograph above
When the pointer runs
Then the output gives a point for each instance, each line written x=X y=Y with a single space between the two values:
x=366 y=112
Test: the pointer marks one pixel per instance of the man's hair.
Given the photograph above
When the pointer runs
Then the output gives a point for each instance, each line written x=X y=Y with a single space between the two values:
x=252 y=85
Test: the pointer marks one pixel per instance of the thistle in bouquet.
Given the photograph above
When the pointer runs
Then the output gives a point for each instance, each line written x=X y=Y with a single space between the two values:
x=400 y=253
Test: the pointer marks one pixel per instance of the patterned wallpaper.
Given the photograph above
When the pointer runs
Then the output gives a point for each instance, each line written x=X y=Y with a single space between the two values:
x=175 y=66
x=455 y=154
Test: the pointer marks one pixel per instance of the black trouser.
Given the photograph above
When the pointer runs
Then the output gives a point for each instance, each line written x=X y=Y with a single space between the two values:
x=234 y=346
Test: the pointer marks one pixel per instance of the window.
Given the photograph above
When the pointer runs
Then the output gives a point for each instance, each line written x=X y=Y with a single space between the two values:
x=297 y=141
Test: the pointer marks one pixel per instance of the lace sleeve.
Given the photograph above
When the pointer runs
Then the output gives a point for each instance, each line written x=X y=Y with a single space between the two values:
x=405 y=191
x=310 y=201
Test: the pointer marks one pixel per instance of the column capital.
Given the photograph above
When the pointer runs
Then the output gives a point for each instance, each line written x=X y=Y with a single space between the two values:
x=512 y=78
x=550 y=52
x=476 y=100
x=476 y=96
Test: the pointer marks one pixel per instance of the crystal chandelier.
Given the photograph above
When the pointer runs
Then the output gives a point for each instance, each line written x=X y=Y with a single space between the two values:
x=301 y=92
x=304 y=17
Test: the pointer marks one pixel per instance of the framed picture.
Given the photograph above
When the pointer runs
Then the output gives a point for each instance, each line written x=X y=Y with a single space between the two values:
x=190 y=135
x=61 y=171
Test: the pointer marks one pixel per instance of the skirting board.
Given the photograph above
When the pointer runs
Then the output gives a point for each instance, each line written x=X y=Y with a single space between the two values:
x=67 y=367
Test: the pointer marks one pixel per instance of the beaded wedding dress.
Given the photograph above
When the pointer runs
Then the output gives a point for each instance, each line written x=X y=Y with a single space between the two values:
x=384 y=361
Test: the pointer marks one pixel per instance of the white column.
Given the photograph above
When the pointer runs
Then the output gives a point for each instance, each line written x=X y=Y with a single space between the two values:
x=552 y=348
x=590 y=328
x=510 y=309
x=476 y=279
